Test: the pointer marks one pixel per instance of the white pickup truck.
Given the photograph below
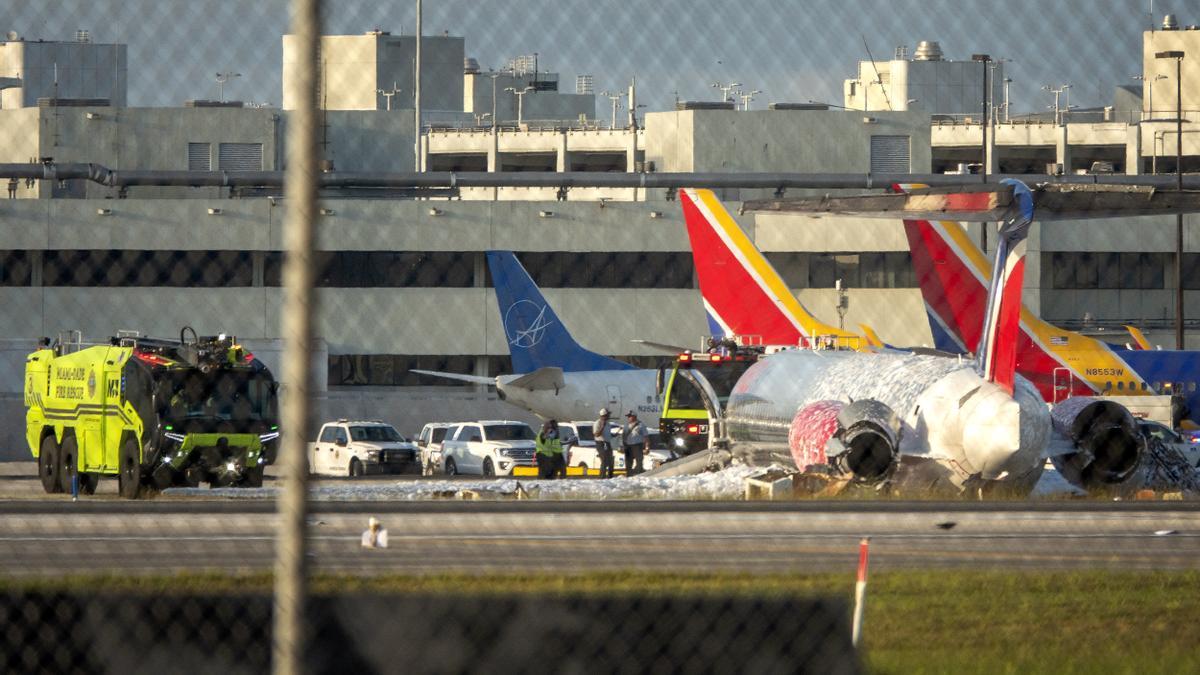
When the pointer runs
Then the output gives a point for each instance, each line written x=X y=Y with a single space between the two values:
x=488 y=448
x=358 y=448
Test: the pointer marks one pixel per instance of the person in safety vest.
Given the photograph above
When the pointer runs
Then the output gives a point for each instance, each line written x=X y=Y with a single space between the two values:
x=549 y=451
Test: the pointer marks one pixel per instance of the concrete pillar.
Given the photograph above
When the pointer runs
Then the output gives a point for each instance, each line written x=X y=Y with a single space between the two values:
x=258 y=261
x=481 y=370
x=480 y=270
x=1062 y=149
x=993 y=161
x=1133 y=150
x=562 y=161
x=493 y=158
x=35 y=268
x=493 y=150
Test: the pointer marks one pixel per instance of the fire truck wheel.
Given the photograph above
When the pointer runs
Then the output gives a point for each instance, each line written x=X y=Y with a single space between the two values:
x=253 y=477
x=68 y=457
x=88 y=483
x=50 y=465
x=130 y=476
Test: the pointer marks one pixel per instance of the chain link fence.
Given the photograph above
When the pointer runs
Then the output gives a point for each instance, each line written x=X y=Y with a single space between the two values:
x=197 y=341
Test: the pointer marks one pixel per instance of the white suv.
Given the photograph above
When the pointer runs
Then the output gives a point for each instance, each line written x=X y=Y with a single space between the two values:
x=488 y=448
x=429 y=445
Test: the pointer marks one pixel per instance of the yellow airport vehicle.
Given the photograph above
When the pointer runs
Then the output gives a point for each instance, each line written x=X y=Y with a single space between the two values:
x=153 y=412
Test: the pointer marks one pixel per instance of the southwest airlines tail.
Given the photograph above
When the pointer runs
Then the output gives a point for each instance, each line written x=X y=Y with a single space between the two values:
x=536 y=336
x=743 y=294
x=953 y=276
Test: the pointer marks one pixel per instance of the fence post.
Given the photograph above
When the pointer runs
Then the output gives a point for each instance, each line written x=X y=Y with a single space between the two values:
x=860 y=590
x=300 y=189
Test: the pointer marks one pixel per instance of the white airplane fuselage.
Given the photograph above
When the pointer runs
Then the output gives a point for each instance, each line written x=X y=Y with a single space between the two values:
x=967 y=427
x=583 y=394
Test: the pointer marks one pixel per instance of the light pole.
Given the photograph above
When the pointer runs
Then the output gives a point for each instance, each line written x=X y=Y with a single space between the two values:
x=616 y=105
x=388 y=94
x=480 y=117
x=493 y=74
x=987 y=103
x=725 y=89
x=1007 y=82
x=747 y=98
x=1178 y=56
x=520 y=94
x=1150 y=90
x=1058 y=92
x=222 y=78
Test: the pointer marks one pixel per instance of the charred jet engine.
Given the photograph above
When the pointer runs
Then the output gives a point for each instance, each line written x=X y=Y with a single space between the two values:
x=859 y=439
x=1107 y=445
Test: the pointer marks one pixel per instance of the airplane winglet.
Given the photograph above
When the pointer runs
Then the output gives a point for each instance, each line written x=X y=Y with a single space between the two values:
x=1139 y=338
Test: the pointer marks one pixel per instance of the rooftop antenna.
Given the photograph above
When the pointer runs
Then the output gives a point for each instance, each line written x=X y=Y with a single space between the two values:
x=877 y=76
x=222 y=78
x=616 y=105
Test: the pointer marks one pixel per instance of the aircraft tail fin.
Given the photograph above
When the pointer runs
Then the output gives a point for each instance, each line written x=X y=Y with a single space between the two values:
x=536 y=336
x=743 y=294
x=1139 y=338
x=1002 y=326
x=871 y=336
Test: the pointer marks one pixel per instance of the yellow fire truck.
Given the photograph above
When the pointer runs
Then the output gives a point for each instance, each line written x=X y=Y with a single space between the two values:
x=153 y=412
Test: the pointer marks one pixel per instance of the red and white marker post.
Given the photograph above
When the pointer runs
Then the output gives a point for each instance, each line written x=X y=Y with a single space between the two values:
x=860 y=590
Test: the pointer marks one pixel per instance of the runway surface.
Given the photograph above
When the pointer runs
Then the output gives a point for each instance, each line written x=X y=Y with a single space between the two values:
x=58 y=537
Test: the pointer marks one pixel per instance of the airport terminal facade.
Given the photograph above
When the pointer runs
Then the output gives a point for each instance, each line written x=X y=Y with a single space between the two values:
x=402 y=281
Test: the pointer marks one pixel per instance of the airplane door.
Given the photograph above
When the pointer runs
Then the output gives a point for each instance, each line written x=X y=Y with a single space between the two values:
x=614 y=397
x=1064 y=383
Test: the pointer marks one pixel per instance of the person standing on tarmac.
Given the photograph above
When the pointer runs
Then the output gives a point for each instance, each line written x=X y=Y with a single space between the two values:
x=549 y=450
x=636 y=438
x=602 y=432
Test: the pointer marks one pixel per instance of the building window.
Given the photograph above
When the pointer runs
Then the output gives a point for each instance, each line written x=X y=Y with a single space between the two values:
x=179 y=269
x=394 y=370
x=1085 y=270
x=644 y=269
x=240 y=156
x=382 y=269
x=16 y=268
x=889 y=154
x=199 y=156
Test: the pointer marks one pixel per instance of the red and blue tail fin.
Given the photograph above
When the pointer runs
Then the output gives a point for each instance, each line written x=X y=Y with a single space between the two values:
x=999 y=342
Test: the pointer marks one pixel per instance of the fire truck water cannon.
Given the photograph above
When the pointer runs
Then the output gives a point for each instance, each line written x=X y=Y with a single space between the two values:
x=859 y=439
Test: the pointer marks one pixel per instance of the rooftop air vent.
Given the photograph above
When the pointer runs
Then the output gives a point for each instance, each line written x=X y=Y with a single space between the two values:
x=1169 y=22
x=928 y=50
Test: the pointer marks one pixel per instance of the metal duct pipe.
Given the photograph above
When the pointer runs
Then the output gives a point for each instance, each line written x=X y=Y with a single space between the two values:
x=552 y=179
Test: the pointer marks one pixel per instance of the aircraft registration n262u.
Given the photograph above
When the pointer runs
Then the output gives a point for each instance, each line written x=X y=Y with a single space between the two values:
x=555 y=377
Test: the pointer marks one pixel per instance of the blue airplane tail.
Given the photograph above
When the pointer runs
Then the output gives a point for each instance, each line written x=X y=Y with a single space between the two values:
x=536 y=336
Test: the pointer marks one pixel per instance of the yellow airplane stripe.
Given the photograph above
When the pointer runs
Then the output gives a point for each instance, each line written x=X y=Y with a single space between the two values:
x=762 y=268
x=1085 y=354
